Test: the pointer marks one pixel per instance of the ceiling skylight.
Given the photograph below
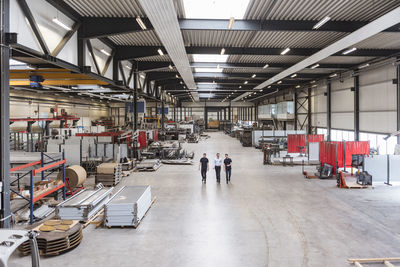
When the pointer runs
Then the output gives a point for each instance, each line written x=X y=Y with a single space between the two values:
x=210 y=58
x=208 y=70
x=215 y=9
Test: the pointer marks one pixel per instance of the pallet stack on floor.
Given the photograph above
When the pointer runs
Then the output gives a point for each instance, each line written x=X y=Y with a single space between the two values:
x=128 y=206
x=109 y=174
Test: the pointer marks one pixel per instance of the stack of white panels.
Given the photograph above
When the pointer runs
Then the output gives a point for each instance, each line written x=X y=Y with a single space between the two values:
x=83 y=205
x=128 y=206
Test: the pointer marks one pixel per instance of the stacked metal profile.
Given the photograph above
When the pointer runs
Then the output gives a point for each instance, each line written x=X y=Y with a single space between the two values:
x=128 y=206
x=84 y=205
x=109 y=174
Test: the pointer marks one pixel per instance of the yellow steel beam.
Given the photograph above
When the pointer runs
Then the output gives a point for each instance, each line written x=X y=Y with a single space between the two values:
x=57 y=82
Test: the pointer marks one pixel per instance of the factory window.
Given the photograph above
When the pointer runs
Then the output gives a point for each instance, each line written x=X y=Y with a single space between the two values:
x=378 y=142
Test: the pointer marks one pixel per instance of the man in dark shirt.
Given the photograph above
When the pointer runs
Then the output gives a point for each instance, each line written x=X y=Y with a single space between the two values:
x=228 y=168
x=203 y=167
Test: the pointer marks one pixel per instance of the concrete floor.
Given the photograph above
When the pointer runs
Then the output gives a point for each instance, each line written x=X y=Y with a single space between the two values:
x=268 y=216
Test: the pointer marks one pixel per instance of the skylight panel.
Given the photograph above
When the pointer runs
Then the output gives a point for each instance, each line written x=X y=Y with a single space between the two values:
x=210 y=58
x=208 y=70
x=215 y=9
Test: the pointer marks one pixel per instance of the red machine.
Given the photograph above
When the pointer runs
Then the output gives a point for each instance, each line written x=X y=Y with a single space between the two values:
x=142 y=139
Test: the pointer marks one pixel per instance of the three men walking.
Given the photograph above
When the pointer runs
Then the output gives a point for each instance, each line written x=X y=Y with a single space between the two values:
x=204 y=167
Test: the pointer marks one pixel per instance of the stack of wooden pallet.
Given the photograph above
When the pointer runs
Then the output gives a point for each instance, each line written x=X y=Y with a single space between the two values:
x=55 y=237
x=109 y=174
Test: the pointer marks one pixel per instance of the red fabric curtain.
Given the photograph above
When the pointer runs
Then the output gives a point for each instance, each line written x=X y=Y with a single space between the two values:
x=315 y=138
x=356 y=148
x=332 y=153
x=295 y=141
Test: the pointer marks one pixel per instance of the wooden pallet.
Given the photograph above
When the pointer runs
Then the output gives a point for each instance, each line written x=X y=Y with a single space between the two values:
x=92 y=220
x=386 y=261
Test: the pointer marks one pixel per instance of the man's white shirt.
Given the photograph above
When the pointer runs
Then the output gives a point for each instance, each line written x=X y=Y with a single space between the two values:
x=218 y=162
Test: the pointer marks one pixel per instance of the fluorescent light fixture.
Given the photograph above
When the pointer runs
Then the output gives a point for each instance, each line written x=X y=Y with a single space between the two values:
x=222 y=51
x=181 y=82
x=313 y=81
x=210 y=58
x=364 y=66
x=141 y=23
x=231 y=21
x=253 y=76
x=294 y=75
x=177 y=76
x=285 y=51
x=245 y=82
x=348 y=51
x=240 y=87
x=160 y=52
x=297 y=86
x=215 y=9
x=321 y=22
x=105 y=52
x=128 y=67
x=333 y=75
x=207 y=70
x=314 y=66
x=61 y=24
x=269 y=86
x=279 y=82
x=142 y=76
x=170 y=67
x=265 y=66
x=261 y=90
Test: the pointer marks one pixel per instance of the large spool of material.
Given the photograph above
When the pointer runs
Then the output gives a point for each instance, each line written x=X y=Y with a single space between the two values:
x=76 y=175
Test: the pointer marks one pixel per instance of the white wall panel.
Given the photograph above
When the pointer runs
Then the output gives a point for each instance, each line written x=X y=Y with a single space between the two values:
x=378 y=100
x=70 y=51
x=319 y=119
x=380 y=122
x=19 y=25
x=343 y=120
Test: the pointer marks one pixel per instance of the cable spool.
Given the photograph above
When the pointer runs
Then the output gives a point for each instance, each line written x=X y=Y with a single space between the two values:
x=76 y=175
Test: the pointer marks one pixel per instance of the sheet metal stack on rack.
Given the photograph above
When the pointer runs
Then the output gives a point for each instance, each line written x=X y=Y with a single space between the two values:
x=84 y=205
x=128 y=206
x=109 y=174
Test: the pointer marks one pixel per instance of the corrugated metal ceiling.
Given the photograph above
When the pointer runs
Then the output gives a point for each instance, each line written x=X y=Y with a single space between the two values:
x=251 y=70
x=347 y=10
x=292 y=39
x=156 y=58
x=264 y=59
x=140 y=38
x=384 y=40
x=345 y=60
x=115 y=8
x=216 y=38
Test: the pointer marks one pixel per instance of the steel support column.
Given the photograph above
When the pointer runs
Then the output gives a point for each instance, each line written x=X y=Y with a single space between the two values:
x=4 y=112
x=295 y=111
x=356 y=108
x=309 y=124
x=328 y=110
x=229 y=111
x=135 y=109
x=162 y=115
x=398 y=99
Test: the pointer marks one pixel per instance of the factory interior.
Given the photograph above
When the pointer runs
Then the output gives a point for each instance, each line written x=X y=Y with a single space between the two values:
x=200 y=133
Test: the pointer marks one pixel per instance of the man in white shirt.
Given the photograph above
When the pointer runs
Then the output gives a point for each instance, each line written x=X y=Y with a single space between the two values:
x=217 y=167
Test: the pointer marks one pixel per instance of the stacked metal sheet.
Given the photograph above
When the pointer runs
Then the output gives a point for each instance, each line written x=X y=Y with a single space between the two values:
x=84 y=205
x=109 y=174
x=128 y=206
x=149 y=165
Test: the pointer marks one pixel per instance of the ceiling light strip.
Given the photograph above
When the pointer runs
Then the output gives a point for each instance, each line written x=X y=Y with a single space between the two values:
x=163 y=17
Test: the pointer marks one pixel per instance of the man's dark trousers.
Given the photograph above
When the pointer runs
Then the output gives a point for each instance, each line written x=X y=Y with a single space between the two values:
x=204 y=174
x=218 y=173
x=228 y=171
